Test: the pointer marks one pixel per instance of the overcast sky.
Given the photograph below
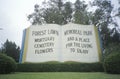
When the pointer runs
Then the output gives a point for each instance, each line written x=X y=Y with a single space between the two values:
x=13 y=18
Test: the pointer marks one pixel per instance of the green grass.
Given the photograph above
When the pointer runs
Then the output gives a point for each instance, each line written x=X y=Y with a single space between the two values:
x=60 y=75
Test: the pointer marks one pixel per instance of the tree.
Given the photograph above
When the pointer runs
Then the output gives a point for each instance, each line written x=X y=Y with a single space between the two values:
x=57 y=12
x=51 y=14
x=11 y=49
x=36 y=17
x=103 y=19
x=58 y=4
x=67 y=12
x=81 y=14
x=118 y=13
x=116 y=29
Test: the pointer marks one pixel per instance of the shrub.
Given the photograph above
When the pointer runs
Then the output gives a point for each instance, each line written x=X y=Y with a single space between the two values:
x=60 y=67
x=7 y=64
x=112 y=63
x=111 y=48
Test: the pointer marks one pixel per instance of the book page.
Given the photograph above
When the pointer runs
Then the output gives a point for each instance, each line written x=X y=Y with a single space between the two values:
x=79 y=43
x=70 y=42
x=43 y=43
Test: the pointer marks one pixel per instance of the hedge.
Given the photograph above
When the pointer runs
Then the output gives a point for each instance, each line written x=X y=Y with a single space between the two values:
x=60 y=67
x=112 y=63
x=7 y=64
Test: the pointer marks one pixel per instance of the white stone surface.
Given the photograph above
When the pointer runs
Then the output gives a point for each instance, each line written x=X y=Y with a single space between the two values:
x=70 y=42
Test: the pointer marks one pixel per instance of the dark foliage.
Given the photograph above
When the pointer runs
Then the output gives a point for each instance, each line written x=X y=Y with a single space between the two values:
x=112 y=63
x=60 y=67
x=7 y=64
x=11 y=49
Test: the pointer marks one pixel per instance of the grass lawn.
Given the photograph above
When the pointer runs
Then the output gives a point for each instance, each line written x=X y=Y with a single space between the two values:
x=59 y=75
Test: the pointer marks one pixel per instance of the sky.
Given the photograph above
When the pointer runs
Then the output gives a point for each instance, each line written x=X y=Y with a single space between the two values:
x=13 y=18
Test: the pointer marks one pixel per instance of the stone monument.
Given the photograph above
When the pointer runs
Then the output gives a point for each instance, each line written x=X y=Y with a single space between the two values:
x=52 y=42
